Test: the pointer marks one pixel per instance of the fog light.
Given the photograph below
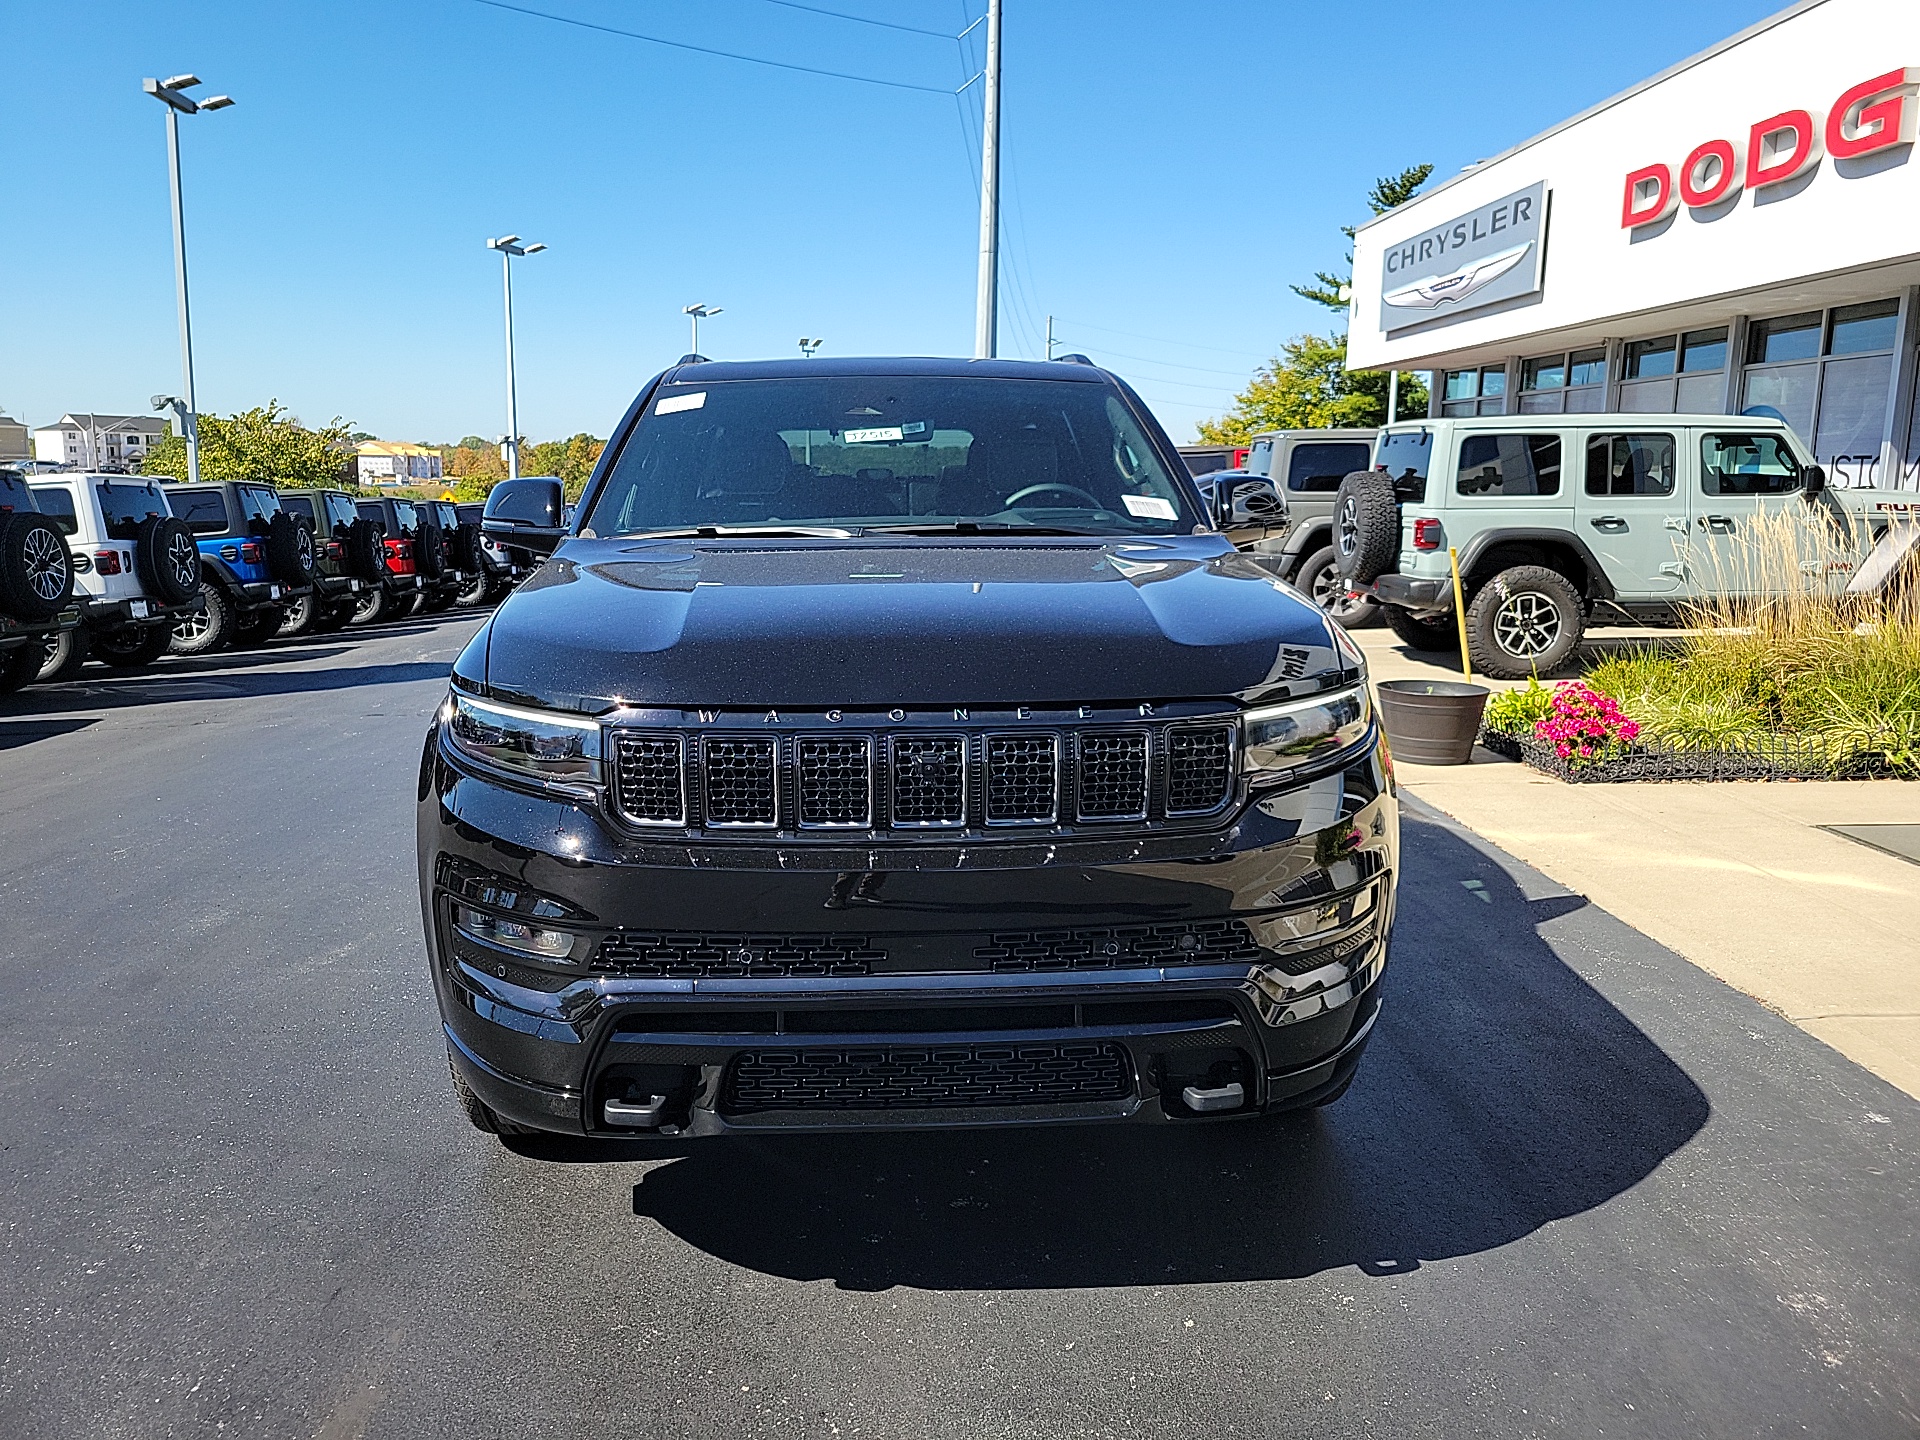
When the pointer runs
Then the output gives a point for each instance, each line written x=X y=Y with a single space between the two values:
x=513 y=934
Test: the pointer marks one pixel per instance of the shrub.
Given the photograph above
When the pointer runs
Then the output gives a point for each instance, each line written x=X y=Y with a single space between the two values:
x=1584 y=726
x=1516 y=712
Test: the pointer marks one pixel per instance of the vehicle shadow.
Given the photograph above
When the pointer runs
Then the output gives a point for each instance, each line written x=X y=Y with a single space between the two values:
x=1501 y=1093
x=221 y=678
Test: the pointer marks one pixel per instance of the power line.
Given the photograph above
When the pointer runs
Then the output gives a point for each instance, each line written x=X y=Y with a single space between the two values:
x=722 y=54
x=1172 y=364
x=1157 y=339
x=861 y=19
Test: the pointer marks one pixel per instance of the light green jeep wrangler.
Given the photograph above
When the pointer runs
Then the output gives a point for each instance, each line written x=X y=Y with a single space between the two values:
x=1563 y=523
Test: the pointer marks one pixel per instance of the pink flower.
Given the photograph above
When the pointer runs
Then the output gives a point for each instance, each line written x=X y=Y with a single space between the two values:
x=1585 y=726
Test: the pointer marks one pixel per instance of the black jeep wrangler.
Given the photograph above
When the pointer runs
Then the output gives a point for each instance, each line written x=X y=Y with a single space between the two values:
x=36 y=584
x=348 y=559
x=898 y=743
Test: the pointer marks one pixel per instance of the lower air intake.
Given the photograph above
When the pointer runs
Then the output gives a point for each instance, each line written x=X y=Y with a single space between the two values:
x=927 y=1077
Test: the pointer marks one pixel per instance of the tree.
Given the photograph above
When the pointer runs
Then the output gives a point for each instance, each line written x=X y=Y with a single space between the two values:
x=1328 y=290
x=264 y=443
x=1307 y=386
x=571 y=459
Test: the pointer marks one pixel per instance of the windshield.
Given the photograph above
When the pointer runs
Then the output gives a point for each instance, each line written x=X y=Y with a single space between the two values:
x=920 y=452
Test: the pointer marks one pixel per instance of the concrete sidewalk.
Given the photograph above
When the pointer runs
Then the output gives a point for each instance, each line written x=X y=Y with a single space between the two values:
x=1735 y=876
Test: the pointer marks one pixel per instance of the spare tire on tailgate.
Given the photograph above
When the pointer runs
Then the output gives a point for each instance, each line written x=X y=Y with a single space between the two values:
x=1366 y=526
x=289 y=550
x=429 y=550
x=467 y=554
x=366 y=551
x=167 y=560
x=36 y=569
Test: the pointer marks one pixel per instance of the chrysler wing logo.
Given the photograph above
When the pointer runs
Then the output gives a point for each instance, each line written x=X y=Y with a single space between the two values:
x=1437 y=290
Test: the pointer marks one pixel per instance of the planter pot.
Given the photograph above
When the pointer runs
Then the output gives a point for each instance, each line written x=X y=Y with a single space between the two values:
x=1431 y=722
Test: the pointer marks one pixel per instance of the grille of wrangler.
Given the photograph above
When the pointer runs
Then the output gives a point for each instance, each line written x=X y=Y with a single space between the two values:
x=1198 y=942
x=909 y=780
x=927 y=1077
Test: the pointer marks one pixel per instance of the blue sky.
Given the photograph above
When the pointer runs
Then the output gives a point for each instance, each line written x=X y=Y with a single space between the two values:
x=1169 y=169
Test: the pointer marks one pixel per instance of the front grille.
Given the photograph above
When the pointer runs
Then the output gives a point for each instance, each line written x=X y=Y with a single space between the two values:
x=1023 y=779
x=1113 y=776
x=929 y=780
x=740 y=780
x=836 y=780
x=1195 y=942
x=664 y=956
x=647 y=779
x=1199 y=768
x=927 y=1077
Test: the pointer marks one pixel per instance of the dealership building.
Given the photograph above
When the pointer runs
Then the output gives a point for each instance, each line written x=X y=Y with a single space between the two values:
x=1740 y=234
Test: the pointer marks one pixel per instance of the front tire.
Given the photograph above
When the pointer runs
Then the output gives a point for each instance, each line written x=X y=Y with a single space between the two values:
x=201 y=632
x=1432 y=636
x=20 y=665
x=1525 y=621
x=258 y=628
x=133 y=648
x=1319 y=578
x=474 y=592
x=477 y=1111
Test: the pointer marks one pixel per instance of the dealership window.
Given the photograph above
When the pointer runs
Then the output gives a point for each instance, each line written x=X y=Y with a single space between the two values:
x=1573 y=384
x=1476 y=392
x=1826 y=373
x=1509 y=465
x=1684 y=373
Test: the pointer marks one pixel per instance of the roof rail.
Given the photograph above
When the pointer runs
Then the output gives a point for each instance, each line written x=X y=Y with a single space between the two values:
x=1075 y=358
x=692 y=359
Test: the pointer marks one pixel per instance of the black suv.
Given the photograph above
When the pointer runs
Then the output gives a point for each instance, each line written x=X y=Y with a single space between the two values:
x=36 y=584
x=460 y=549
x=254 y=560
x=348 y=559
x=898 y=743
x=499 y=570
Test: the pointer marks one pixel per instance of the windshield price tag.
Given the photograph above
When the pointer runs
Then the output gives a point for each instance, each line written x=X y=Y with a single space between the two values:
x=872 y=437
x=1148 y=507
x=674 y=404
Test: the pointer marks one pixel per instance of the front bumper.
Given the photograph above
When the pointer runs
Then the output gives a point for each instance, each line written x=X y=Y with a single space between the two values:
x=1013 y=983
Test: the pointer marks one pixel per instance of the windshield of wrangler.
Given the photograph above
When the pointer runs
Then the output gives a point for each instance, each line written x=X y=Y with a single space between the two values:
x=857 y=452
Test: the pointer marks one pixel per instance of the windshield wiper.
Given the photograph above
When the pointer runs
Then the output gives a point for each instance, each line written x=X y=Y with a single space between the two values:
x=990 y=527
x=721 y=532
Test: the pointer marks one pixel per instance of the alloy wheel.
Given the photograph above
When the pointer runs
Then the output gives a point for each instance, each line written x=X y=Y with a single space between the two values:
x=1328 y=590
x=1526 y=624
x=193 y=625
x=1348 y=530
x=46 y=561
x=183 y=558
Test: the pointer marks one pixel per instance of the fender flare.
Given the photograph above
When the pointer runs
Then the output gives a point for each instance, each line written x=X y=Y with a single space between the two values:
x=1599 y=587
x=1312 y=535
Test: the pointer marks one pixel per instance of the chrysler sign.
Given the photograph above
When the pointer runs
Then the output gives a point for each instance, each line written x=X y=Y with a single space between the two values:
x=1488 y=255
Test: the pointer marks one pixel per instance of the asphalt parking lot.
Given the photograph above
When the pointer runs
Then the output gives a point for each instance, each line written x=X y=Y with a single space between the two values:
x=1581 y=1188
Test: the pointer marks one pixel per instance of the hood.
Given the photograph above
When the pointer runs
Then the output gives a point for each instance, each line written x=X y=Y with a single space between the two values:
x=811 y=624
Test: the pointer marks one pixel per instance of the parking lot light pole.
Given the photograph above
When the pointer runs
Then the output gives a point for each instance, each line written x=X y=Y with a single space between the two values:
x=808 y=346
x=695 y=313
x=171 y=92
x=510 y=246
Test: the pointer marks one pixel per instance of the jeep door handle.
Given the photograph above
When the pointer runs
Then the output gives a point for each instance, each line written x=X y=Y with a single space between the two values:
x=1723 y=524
x=1611 y=523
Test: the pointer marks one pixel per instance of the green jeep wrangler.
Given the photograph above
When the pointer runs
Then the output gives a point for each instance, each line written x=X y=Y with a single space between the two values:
x=1563 y=523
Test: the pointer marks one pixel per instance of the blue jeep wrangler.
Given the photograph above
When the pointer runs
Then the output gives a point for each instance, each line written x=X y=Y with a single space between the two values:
x=254 y=559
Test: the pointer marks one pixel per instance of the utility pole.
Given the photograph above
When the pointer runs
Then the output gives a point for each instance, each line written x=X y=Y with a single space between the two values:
x=171 y=92
x=510 y=246
x=986 y=315
x=1049 y=337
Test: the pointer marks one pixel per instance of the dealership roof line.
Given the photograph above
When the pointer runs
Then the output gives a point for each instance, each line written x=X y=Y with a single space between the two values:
x=1759 y=27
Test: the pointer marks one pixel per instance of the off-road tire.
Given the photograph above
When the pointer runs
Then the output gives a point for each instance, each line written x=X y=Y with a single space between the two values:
x=257 y=628
x=1320 y=580
x=132 y=648
x=429 y=550
x=202 y=633
x=20 y=665
x=478 y=1112
x=166 y=559
x=299 y=616
x=366 y=551
x=290 y=550
x=373 y=605
x=432 y=602
x=468 y=554
x=1524 y=621
x=36 y=568
x=475 y=591
x=1366 y=525
x=1432 y=636
x=66 y=651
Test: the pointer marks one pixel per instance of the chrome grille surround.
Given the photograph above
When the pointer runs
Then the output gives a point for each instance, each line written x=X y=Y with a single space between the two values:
x=929 y=781
x=1110 y=775
x=650 y=777
x=835 y=779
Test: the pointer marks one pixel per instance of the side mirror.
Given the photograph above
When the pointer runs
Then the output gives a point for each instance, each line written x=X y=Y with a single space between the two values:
x=528 y=514
x=1255 y=502
x=1813 y=480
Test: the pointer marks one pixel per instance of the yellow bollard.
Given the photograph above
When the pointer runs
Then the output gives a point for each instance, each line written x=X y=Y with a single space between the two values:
x=1460 y=615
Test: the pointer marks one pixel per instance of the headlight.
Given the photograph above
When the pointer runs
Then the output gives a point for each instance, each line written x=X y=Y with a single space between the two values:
x=1280 y=739
x=511 y=934
x=538 y=744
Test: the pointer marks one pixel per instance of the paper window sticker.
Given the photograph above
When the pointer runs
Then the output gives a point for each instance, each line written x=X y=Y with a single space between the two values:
x=1148 y=507
x=674 y=404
